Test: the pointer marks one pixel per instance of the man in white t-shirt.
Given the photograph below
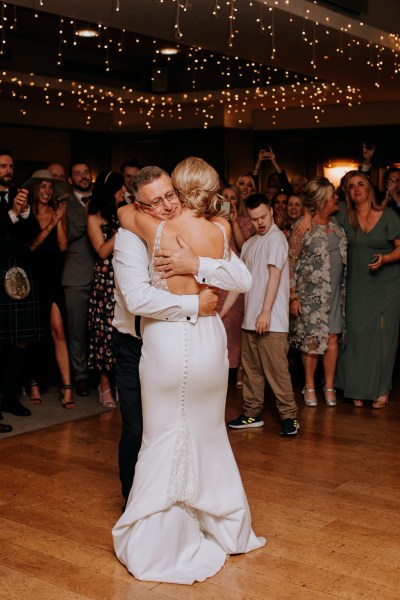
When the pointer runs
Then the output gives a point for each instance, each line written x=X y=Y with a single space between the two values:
x=265 y=325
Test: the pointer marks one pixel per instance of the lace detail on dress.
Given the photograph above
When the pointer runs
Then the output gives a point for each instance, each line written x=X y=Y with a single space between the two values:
x=155 y=277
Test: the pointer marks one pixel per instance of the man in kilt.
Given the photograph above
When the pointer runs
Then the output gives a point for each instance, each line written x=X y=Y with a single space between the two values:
x=20 y=320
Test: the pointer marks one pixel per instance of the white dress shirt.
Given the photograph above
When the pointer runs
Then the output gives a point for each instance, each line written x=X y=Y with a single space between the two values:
x=135 y=296
x=15 y=218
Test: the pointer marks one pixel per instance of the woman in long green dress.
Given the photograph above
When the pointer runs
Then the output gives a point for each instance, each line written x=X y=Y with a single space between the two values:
x=373 y=294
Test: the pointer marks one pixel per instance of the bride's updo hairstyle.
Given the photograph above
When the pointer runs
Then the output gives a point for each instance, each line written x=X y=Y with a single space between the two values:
x=196 y=183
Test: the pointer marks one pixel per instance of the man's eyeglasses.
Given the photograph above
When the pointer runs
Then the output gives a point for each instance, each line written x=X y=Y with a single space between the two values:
x=169 y=196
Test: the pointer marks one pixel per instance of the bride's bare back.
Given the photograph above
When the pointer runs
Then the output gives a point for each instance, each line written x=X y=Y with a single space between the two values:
x=205 y=238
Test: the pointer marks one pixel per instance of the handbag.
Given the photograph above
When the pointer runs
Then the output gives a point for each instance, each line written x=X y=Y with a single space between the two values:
x=16 y=283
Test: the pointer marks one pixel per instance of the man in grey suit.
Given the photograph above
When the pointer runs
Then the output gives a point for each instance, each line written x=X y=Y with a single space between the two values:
x=77 y=275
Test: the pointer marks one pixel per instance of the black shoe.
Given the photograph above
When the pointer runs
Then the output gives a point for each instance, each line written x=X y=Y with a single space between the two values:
x=82 y=388
x=289 y=427
x=5 y=428
x=16 y=408
x=243 y=422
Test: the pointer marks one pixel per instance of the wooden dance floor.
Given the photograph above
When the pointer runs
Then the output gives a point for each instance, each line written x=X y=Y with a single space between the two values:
x=328 y=502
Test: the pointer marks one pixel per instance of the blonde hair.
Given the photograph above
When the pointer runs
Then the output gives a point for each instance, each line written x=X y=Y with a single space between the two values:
x=249 y=176
x=196 y=183
x=298 y=181
x=240 y=207
x=316 y=193
x=351 y=207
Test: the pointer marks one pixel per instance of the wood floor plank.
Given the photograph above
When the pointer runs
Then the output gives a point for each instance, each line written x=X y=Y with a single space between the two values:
x=328 y=502
x=17 y=586
x=76 y=579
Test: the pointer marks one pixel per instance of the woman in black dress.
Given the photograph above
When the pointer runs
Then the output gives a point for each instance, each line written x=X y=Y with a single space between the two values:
x=47 y=261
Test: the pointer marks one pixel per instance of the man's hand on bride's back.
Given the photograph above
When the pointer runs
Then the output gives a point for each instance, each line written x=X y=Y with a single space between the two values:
x=208 y=300
x=182 y=261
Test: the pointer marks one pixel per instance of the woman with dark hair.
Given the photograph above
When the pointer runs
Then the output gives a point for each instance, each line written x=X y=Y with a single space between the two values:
x=295 y=209
x=373 y=309
x=279 y=207
x=47 y=261
x=108 y=192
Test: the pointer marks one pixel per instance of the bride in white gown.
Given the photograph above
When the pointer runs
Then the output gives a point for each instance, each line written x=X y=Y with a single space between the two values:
x=187 y=509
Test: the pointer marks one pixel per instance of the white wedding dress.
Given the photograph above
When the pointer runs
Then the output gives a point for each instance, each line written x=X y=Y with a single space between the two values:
x=187 y=509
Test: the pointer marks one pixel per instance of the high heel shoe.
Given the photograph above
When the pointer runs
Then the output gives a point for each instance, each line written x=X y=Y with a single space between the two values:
x=308 y=401
x=108 y=403
x=332 y=400
x=70 y=404
x=36 y=399
x=381 y=402
x=358 y=403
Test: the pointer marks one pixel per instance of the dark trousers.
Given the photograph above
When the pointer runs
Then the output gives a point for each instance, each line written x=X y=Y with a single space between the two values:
x=127 y=351
x=14 y=359
x=77 y=304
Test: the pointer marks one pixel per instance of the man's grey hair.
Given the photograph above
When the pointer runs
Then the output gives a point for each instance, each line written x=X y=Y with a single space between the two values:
x=145 y=176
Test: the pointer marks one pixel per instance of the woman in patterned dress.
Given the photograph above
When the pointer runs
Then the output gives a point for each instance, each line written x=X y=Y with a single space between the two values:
x=317 y=262
x=108 y=193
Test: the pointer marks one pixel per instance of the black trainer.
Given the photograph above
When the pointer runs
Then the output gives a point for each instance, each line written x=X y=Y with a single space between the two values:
x=289 y=427
x=244 y=422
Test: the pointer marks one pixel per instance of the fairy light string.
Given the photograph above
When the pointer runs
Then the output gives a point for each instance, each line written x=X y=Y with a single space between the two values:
x=382 y=58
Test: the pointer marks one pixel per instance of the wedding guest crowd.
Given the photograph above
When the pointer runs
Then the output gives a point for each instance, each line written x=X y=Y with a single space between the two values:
x=57 y=233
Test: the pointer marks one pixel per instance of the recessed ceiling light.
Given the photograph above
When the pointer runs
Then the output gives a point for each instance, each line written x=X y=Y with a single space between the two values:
x=169 y=51
x=86 y=32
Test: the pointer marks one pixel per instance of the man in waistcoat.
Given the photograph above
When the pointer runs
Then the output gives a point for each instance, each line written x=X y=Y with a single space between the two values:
x=77 y=275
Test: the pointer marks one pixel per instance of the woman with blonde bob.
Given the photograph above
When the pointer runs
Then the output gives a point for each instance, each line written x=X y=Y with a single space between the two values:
x=183 y=518
x=317 y=262
x=373 y=309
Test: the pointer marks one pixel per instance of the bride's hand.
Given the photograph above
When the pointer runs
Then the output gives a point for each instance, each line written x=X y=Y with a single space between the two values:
x=177 y=262
x=208 y=300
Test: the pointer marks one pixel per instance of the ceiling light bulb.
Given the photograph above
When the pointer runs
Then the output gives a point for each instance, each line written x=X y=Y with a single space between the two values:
x=86 y=32
x=169 y=51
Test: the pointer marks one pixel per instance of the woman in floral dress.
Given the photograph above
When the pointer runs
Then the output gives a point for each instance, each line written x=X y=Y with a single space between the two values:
x=317 y=262
x=108 y=193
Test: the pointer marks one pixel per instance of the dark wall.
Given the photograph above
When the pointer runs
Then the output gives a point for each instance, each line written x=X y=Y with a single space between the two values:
x=33 y=148
x=167 y=148
x=306 y=151
x=232 y=152
x=93 y=148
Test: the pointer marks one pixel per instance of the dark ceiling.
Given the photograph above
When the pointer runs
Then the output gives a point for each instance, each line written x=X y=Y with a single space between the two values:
x=273 y=52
